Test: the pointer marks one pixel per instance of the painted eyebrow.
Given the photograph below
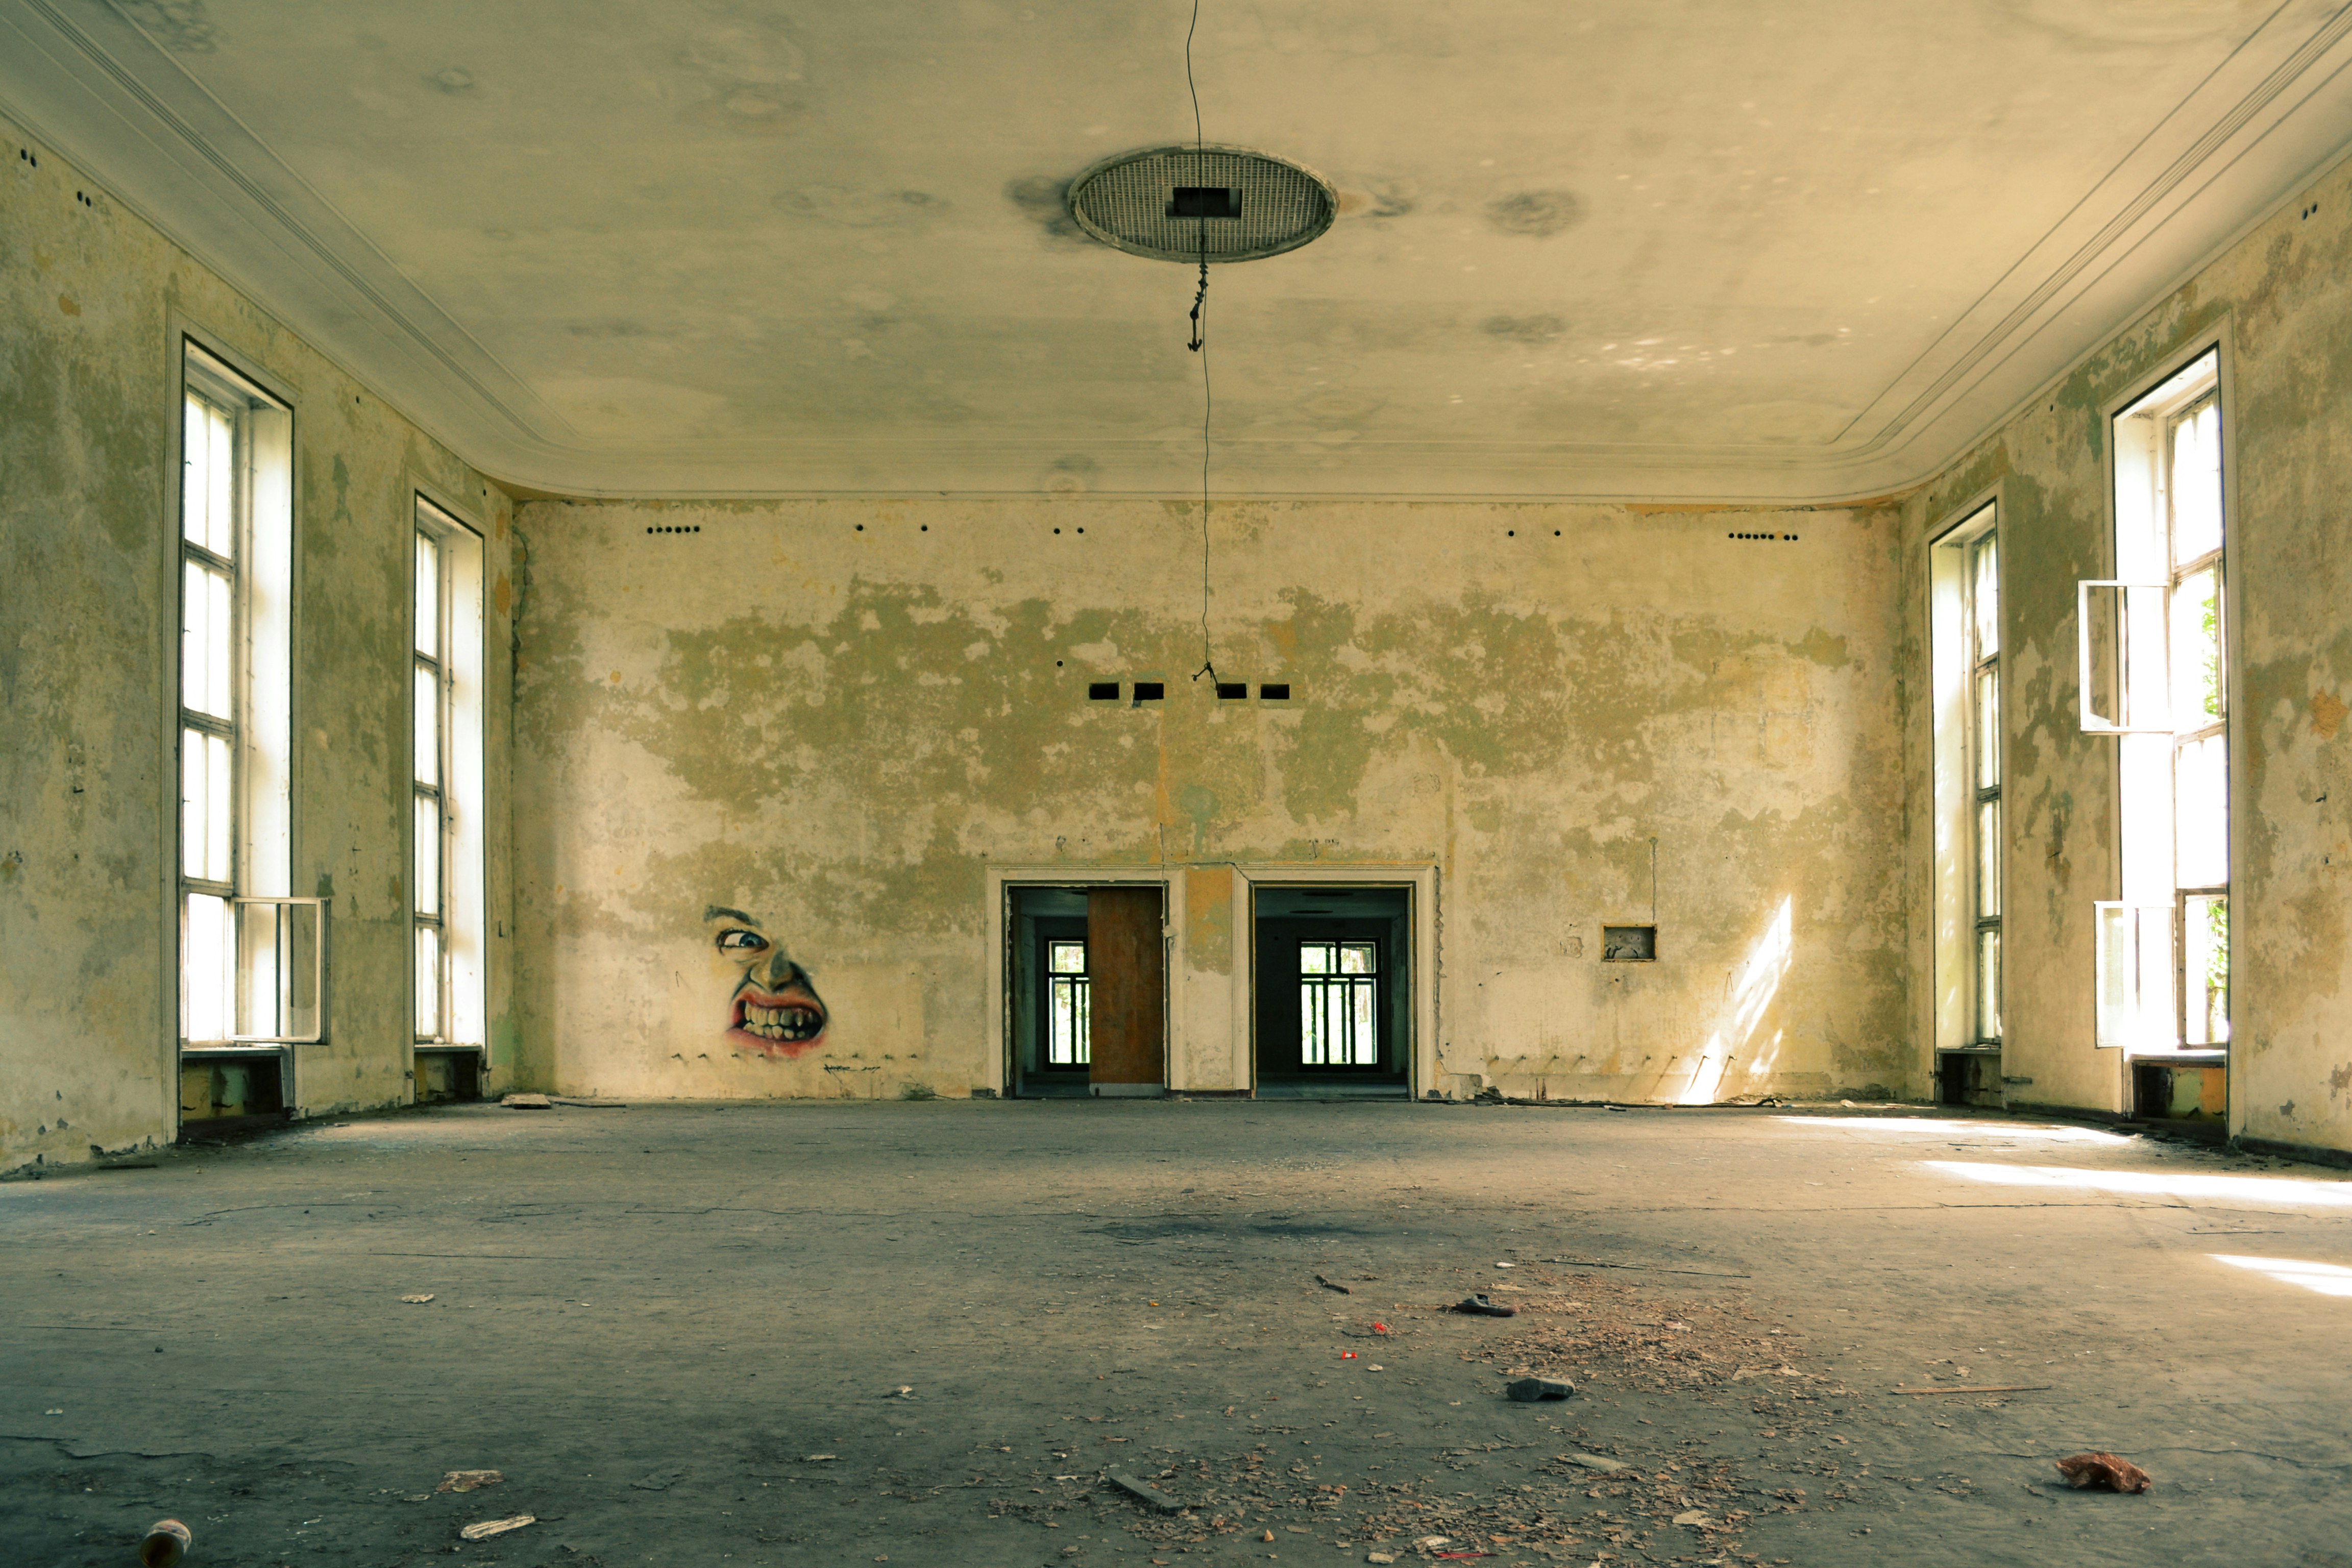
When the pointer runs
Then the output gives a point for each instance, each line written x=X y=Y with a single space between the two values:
x=714 y=911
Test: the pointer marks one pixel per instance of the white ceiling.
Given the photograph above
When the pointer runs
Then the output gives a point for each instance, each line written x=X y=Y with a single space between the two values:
x=1691 y=250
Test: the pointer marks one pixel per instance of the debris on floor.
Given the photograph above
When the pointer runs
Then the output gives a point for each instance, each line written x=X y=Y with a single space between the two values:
x=1528 y=1390
x=469 y=1480
x=1144 y=1491
x=1329 y=1285
x=2111 y=1471
x=659 y=1481
x=490 y=1527
x=527 y=1103
x=418 y=1300
x=904 y=1391
x=167 y=1541
x=1479 y=1306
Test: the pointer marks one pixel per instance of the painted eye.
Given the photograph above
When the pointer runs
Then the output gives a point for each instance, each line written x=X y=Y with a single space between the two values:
x=741 y=941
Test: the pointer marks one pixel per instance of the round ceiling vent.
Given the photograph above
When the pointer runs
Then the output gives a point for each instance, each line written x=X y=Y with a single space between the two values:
x=1181 y=204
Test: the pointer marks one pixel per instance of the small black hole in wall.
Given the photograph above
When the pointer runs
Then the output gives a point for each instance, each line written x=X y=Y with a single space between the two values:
x=1555 y=533
x=926 y=528
x=1102 y=692
x=1149 y=692
x=1274 y=691
x=1082 y=530
x=1233 y=691
x=1510 y=533
x=1057 y=664
x=861 y=528
x=1057 y=530
x=1629 y=945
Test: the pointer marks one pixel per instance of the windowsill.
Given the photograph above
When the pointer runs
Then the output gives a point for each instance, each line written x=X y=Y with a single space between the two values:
x=2184 y=1056
x=235 y=1048
x=1969 y=1050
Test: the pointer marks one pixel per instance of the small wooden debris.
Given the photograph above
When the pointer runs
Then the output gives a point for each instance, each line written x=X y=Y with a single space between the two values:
x=1995 y=1388
x=490 y=1527
x=469 y=1480
x=1144 y=1491
x=527 y=1103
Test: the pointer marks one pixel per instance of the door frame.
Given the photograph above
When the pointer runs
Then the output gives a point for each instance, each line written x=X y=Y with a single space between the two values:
x=1420 y=928
x=1003 y=880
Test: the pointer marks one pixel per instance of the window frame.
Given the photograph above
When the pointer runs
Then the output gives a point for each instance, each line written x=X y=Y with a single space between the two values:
x=1958 y=740
x=1979 y=664
x=431 y=538
x=2144 y=928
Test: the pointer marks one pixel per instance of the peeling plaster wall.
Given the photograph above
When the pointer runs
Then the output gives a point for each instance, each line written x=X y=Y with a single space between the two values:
x=2278 y=299
x=91 y=300
x=835 y=716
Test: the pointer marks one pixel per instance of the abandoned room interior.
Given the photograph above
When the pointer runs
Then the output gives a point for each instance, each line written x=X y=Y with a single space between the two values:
x=1011 y=782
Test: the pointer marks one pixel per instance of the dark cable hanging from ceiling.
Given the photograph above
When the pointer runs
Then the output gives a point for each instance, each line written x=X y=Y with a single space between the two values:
x=1199 y=344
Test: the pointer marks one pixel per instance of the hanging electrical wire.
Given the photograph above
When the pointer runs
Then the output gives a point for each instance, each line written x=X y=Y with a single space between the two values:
x=1199 y=344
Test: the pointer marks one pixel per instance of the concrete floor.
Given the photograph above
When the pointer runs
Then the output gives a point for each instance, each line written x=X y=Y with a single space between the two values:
x=650 y=1318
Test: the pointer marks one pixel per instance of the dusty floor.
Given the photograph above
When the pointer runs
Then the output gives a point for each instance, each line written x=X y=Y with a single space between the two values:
x=679 y=1332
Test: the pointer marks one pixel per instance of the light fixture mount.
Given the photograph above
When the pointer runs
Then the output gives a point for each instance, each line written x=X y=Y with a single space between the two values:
x=1212 y=202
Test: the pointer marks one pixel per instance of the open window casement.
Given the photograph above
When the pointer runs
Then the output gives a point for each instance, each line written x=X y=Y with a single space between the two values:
x=255 y=971
x=281 y=971
x=2124 y=670
x=2134 y=944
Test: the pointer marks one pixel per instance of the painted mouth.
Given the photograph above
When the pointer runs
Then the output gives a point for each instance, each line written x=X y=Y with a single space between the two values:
x=789 y=1021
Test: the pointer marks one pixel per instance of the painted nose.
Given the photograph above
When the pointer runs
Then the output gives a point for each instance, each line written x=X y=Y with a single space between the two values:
x=782 y=969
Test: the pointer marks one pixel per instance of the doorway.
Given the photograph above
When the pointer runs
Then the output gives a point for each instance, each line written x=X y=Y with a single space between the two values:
x=1333 y=991
x=1088 y=991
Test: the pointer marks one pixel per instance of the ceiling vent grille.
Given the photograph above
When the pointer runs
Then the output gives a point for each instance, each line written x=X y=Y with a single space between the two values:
x=1149 y=203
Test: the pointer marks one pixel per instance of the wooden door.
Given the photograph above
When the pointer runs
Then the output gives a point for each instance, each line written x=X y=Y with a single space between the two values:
x=1127 y=969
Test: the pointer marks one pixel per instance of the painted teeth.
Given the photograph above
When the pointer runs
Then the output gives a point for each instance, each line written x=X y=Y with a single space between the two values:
x=782 y=1022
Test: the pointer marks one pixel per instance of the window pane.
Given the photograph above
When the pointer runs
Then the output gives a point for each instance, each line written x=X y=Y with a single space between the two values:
x=428 y=982
x=205 y=805
x=1316 y=958
x=206 y=627
x=1356 y=958
x=1365 y=1034
x=1065 y=957
x=1987 y=859
x=2197 y=650
x=1988 y=727
x=2197 y=484
x=429 y=855
x=1985 y=596
x=429 y=597
x=429 y=726
x=1988 y=984
x=207 y=968
x=2205 y=969
x=2201 y=813
x=208 y=483
x=1069 y=1023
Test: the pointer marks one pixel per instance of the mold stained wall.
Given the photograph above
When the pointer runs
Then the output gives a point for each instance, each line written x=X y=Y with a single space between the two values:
x=835 y=716
x=92 y=299
x=2277 y=300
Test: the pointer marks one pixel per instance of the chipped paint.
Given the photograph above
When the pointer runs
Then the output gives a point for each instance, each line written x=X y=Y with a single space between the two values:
x=844 y=712
x=2275 y=300
x=89 y=663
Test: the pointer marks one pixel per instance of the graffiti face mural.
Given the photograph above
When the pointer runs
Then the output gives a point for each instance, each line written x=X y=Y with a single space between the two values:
x=772 y=1006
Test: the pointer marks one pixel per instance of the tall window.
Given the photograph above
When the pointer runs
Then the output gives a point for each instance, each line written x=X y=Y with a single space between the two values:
x=446 y=834
x=249 y=956
x=1984 y=774
x=430 y=847
x=1339 y=1003
x=1964 y=636
x=1069 y=1016
x=2155 y=674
